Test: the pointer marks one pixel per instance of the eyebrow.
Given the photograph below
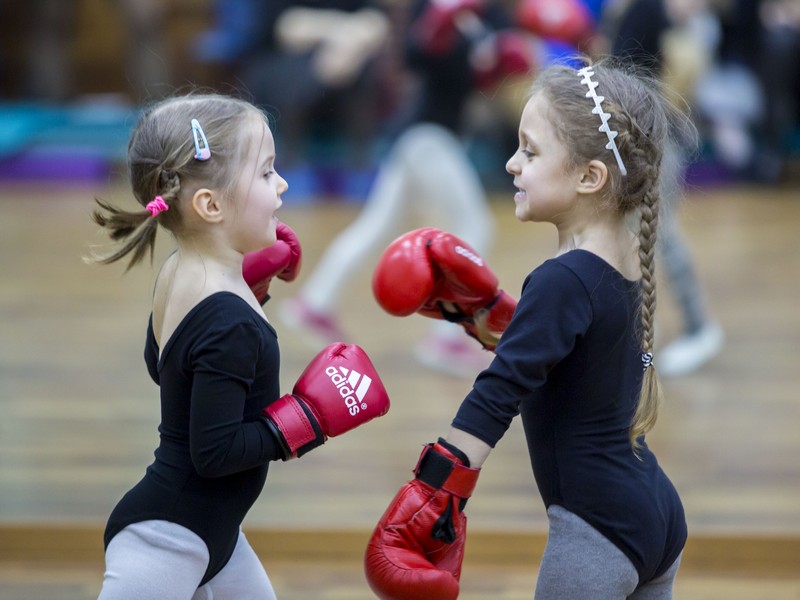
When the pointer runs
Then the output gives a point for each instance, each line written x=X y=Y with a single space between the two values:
x=525 y=137
x=268 y=160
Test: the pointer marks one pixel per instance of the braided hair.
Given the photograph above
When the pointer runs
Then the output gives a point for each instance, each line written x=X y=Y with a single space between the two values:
x=645 y=122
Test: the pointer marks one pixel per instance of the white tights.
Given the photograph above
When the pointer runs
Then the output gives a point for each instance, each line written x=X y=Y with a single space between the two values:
x=153 y=560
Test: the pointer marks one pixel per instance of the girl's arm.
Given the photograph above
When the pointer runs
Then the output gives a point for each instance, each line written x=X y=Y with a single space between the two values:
x=475 y=449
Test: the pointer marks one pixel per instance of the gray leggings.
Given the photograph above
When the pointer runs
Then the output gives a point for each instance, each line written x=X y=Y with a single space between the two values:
x=579 y=563
x=155 y=560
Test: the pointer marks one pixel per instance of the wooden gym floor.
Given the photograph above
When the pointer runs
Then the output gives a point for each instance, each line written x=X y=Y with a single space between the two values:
x=78 y=414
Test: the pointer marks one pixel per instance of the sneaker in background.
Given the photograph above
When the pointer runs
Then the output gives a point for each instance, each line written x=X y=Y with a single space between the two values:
x=319 y=328
x=688 y=353
x=453 y=356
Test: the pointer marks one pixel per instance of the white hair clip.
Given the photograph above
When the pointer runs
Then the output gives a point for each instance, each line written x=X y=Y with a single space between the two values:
x=201 y=149
x=586 y=73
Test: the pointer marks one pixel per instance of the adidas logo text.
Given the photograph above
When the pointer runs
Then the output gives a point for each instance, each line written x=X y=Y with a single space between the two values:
x=352 y=386
x=469 y=255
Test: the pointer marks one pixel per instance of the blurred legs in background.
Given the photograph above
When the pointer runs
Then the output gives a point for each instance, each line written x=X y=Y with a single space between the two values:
x=702 y=337
x=427 y=169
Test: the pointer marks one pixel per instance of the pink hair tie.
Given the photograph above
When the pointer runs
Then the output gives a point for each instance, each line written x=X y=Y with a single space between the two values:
x=156 y=205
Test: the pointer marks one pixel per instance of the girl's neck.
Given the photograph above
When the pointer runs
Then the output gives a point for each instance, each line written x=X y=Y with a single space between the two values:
x=610 y=239
x=190 y=275
x=210 y=251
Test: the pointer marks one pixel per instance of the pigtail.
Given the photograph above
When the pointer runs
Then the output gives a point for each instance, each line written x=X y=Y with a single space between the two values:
x=137 y=229
x=646 y=413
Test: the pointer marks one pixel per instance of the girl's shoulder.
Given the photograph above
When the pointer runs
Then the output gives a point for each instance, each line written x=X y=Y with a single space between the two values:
x=588 y=265
x=220 y=317
x=221 y=310
x=186 y=287
x=574 y=270
x=568 y=266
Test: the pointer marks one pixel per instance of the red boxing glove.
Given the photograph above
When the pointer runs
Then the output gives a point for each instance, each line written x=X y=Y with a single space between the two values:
x=438 y=275
x=565 y=20
x=417 y=547
x=282 y=260
x=338 y=391
x=436 y=28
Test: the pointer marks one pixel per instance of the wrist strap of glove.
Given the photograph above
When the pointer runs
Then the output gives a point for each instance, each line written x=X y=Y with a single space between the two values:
x=441 y=468
x=294 y=425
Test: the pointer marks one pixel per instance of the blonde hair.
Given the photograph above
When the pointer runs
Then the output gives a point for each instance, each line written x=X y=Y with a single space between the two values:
x=161 y=162
x=645 y=121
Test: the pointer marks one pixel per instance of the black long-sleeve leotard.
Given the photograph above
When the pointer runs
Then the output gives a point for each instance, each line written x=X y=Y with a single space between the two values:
x=217 y=372
x=570 y=364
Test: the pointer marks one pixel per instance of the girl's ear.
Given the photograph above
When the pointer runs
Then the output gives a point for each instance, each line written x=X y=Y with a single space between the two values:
x=593 y=177
x=205 y=203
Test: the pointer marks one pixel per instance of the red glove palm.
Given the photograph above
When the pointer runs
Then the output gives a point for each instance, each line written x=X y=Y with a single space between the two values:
x=438 y=275
x=281 y=260
x=417 y=548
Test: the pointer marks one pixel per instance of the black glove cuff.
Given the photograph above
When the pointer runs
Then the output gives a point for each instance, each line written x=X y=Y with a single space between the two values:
x=319 y=436
x=286 y=453
x=434 y=468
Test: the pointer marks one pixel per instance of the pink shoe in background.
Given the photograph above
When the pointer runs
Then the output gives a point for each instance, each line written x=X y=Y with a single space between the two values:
x=453 y=356
x=319 y=327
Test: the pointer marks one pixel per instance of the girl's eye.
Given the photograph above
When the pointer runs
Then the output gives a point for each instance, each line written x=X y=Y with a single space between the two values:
x=528 y=153
x=267 y=174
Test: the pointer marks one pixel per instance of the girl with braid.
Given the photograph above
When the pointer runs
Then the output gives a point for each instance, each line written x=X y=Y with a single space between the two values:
x=575 y=362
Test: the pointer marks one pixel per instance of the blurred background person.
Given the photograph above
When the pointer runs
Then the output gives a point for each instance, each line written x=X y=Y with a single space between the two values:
x=323 y=53
x=748 y=102
x=779 y=73
x=451 y=50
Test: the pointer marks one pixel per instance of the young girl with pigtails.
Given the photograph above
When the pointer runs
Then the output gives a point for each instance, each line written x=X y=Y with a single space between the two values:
x=203 y=168
x=575 y=362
